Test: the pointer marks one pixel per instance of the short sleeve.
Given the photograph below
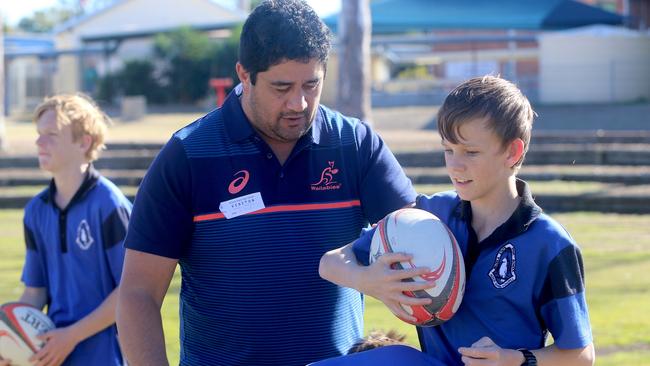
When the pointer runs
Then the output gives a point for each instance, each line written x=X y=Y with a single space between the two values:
x=563 y=302
x=361 y=246
x=384 y=185
x=161 y=221
x=114 y=228
x=33 y=272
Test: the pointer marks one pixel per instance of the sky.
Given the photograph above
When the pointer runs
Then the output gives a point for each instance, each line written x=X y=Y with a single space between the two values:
x=13 y=10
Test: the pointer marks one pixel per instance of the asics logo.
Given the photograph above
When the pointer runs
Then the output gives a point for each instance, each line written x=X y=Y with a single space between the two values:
x=239 y=182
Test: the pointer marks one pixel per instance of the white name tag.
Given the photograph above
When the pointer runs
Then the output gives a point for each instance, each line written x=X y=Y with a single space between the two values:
x=241 y=205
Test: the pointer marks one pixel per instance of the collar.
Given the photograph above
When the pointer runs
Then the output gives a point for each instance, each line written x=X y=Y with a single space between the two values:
x=526 y=212
x=239 y=128
x=89 y=182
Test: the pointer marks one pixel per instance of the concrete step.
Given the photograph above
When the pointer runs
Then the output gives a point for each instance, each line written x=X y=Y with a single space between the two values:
x=553 y=154
x=36 y=177
x=590 y=137
x=629 y=175
x=638 y=203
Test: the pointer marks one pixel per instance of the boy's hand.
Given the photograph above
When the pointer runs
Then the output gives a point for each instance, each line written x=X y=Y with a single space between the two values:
x=59 y=344
x=486 y=352
x=5 y=362
x=385 y=284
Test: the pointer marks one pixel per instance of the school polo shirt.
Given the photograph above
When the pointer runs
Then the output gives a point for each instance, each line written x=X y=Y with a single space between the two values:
x=251 y=293
x=77 y=255
x=526 y=279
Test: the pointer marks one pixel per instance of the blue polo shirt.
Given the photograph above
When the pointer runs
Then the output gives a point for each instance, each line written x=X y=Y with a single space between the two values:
x=251 y=293
x=77 y=255
x=523 y=281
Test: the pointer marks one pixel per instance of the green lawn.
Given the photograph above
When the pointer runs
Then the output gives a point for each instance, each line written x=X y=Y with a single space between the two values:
x=616 y=252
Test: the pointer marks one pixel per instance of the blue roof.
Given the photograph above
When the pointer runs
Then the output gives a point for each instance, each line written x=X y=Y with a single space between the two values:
x=28 y=44
x=403 y=16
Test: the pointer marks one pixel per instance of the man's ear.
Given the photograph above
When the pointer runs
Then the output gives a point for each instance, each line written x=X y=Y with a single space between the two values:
x=515 y=152
x=244 y=76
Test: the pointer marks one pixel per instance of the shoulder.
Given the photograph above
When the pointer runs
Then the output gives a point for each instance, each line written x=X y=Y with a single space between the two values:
x=334 y=122
x=109 y=195
x=37 y=203
x=441 y=202
x=207 y=122
x=550 y=233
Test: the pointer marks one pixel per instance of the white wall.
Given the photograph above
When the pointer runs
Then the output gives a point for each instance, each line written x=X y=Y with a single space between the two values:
x=594 y=66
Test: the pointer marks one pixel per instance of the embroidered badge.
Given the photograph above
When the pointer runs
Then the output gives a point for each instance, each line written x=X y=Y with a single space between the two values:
x=84 y=239
x=327 y=181
x=503 y=270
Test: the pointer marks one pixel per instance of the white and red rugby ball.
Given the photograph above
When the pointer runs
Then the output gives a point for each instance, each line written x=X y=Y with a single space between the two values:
x=19 y=325
x=429 y=241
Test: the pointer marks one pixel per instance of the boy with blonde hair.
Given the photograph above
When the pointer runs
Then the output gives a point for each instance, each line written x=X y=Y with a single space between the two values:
x=525 y=277
x=74 y=231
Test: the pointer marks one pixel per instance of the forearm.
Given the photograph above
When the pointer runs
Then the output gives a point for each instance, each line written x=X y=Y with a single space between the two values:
x=340 y=267
x=99 y=319
x=553 y=356
x=140 y=329
x=35 y=296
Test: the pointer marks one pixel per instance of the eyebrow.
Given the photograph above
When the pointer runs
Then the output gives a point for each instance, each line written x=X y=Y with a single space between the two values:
x=289 y=83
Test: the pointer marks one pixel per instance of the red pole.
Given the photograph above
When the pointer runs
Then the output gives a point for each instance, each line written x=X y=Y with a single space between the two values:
x=220 y=85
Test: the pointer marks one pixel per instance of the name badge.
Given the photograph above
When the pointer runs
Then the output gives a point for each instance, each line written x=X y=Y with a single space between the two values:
x=241 y=205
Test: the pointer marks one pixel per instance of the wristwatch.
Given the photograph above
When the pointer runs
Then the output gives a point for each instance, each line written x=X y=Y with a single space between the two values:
x=529 y=357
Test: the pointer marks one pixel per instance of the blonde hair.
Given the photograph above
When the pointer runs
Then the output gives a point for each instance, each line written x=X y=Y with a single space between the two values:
x=83 y=116
x=376 y=339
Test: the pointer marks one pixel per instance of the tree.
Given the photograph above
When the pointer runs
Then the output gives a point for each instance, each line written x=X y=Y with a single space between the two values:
x=353 y=97
x=3 y=138
x=42 y=21
x=186 y=54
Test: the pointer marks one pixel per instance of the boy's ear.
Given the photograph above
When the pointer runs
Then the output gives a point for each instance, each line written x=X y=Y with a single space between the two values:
x=85 y=142
x=515 y=152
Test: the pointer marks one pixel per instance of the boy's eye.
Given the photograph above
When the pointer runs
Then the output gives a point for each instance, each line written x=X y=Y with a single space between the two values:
x=472 y=153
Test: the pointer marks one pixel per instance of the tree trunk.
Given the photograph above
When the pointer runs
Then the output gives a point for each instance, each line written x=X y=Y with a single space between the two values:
x=354 y=27
x=3 y=135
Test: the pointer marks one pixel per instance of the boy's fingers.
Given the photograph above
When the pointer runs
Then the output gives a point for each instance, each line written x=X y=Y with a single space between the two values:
x=390 y=258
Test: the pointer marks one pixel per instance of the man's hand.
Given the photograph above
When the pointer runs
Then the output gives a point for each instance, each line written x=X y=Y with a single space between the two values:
x=59 y=344
x=5 y=362
x=385 y=284
x=486 y=352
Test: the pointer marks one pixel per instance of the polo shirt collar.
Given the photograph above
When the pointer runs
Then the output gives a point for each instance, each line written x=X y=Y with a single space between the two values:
x=239 y=128
x=525 y=214
x=90 y=181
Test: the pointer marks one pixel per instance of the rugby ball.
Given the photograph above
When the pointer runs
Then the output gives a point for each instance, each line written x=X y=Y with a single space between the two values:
x=19 y=325
x=431 y=243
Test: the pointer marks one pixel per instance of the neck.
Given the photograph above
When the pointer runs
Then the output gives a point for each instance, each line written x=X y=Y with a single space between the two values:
x=490 y=212
x=67 y=184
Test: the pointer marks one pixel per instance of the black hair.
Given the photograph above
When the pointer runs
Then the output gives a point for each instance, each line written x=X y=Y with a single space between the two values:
x=279 y=30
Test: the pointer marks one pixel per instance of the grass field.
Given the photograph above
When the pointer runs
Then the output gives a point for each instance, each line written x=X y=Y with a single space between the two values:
x=616 y=251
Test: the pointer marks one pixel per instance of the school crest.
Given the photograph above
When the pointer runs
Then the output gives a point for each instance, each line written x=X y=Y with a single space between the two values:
x=503 y=270
x=84 y=239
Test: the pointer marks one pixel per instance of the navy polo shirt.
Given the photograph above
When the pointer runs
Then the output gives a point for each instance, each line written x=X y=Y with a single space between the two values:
x=251 y=293
x=523 y=281
x=77 y=255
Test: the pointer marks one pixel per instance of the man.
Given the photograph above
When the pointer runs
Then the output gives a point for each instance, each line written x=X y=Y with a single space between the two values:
x=74 y=232
x=246 y=200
